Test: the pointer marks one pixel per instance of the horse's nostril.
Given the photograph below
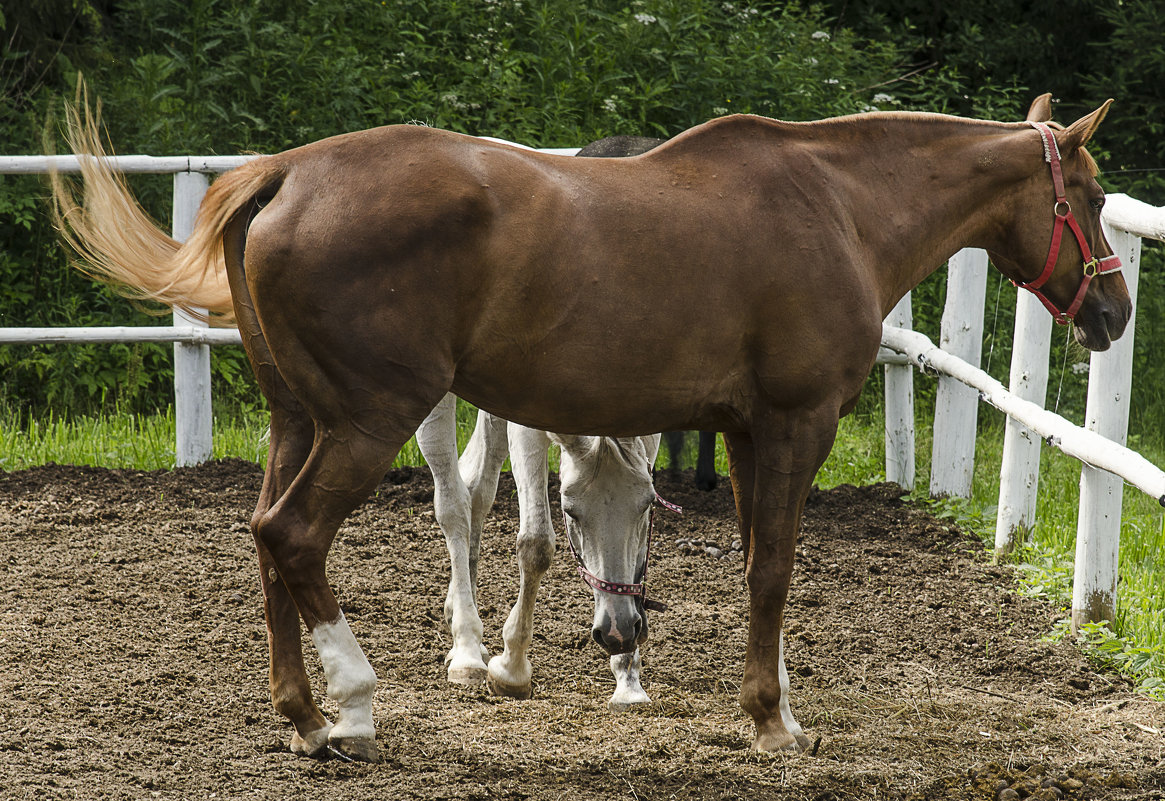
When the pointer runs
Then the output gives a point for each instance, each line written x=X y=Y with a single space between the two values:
x=597 y=636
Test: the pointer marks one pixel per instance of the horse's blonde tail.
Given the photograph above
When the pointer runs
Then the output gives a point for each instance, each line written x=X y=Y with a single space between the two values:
x=120 y=244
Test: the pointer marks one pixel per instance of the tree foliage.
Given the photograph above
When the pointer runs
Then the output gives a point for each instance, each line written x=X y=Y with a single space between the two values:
x=211 y=76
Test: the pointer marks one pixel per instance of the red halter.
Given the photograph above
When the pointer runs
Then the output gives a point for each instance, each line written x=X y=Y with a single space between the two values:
x=1063 y=210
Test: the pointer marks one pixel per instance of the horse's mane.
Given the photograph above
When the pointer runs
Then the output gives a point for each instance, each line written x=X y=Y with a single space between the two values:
x=798 y=129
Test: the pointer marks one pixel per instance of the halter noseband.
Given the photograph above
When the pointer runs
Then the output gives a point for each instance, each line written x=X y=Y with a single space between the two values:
x=1062 y=210
x=617 y=588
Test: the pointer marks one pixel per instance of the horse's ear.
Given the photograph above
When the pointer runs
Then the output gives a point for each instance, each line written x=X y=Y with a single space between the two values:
x=1041 y=108
x=651 y=443
x=1078 y=133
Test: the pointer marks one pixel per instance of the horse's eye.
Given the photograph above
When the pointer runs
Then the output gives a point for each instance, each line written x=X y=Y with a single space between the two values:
x=1097 y=204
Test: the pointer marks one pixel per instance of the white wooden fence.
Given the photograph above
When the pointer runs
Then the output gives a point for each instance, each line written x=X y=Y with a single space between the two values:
x=1099 y=445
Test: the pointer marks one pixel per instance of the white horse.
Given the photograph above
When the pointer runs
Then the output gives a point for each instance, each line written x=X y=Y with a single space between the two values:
x=607 y=497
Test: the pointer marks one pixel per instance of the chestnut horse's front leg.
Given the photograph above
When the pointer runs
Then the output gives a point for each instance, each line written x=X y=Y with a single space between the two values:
x=787 y=451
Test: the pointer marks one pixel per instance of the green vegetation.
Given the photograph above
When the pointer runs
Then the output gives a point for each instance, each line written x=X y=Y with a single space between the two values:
x=210 y=76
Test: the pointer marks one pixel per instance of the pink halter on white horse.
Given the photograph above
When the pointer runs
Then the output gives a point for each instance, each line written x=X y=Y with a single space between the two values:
x=607 y=494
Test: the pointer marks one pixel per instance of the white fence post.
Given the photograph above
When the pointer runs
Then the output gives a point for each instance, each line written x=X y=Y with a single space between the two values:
x=1019 y=475
x=192 y=407
x=900 y=408
x=1099 y=521
x=956 y=411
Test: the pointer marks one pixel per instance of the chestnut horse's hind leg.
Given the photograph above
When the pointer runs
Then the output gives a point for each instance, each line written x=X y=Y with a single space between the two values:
x=787 y=451
x=291 y=694
x=342 y=469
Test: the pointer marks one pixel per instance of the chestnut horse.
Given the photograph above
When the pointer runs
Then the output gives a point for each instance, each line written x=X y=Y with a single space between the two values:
x=733 y=279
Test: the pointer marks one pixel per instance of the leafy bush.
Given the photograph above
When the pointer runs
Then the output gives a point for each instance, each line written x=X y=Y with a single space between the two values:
x=210 y=76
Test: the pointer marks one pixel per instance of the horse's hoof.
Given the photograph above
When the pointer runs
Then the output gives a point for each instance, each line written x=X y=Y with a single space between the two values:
x=354 y=749
x=520 y=691
x=313 y=745
x=623 y=703
x=783 y=741
x=623 y=706
x=466 y=676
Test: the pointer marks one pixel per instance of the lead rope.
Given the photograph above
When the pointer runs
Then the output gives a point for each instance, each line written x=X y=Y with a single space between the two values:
x=1063 y=368
x=994 y=324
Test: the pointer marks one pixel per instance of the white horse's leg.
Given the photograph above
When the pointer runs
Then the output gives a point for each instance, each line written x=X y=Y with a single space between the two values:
x=351 y=682
x=480 y=466
x=437 y=439
x=787 y=718
x=510 y=672
x=628 y=691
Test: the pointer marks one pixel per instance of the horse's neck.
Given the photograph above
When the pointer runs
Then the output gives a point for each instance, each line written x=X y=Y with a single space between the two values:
x=915 y=187
x=929 y=186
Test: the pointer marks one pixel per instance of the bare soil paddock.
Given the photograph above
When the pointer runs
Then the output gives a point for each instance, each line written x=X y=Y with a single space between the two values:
x=133 y=659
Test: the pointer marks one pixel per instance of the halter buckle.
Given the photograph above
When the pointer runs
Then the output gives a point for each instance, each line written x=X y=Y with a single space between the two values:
x=1067 y=206
x=1092 y=268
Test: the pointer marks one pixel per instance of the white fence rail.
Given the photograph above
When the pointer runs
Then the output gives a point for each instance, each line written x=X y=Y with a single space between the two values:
x=1099 y=445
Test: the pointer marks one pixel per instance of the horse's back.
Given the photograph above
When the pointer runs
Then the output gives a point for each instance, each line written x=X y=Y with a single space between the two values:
x=526 y=266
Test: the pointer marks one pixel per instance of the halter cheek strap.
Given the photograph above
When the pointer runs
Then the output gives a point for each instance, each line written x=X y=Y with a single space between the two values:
x=1062 y=210
x=618 y=588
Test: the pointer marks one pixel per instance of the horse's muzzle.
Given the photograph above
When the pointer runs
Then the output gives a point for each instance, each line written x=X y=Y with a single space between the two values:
x=1101 y=329
x=620 y=636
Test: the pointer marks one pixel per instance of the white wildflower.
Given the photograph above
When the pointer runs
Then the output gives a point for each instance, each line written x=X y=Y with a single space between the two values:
x=882 y=97
x=820 y=36
x=644 y=19
x=610 y=105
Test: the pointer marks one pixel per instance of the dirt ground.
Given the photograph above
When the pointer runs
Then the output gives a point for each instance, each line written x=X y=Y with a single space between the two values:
x=133 y=659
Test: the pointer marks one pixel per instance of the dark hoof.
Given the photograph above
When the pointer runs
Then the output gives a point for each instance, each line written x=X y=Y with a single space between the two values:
x=353 y=749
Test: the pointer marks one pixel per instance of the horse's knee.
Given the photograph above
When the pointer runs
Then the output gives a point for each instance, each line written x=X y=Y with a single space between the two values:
x=535 y=554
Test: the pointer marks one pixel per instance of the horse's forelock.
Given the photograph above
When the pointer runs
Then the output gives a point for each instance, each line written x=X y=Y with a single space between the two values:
x=629 y=450
x=1090 y=162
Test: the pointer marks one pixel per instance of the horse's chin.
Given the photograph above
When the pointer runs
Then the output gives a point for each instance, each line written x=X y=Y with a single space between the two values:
x=1093 y=337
